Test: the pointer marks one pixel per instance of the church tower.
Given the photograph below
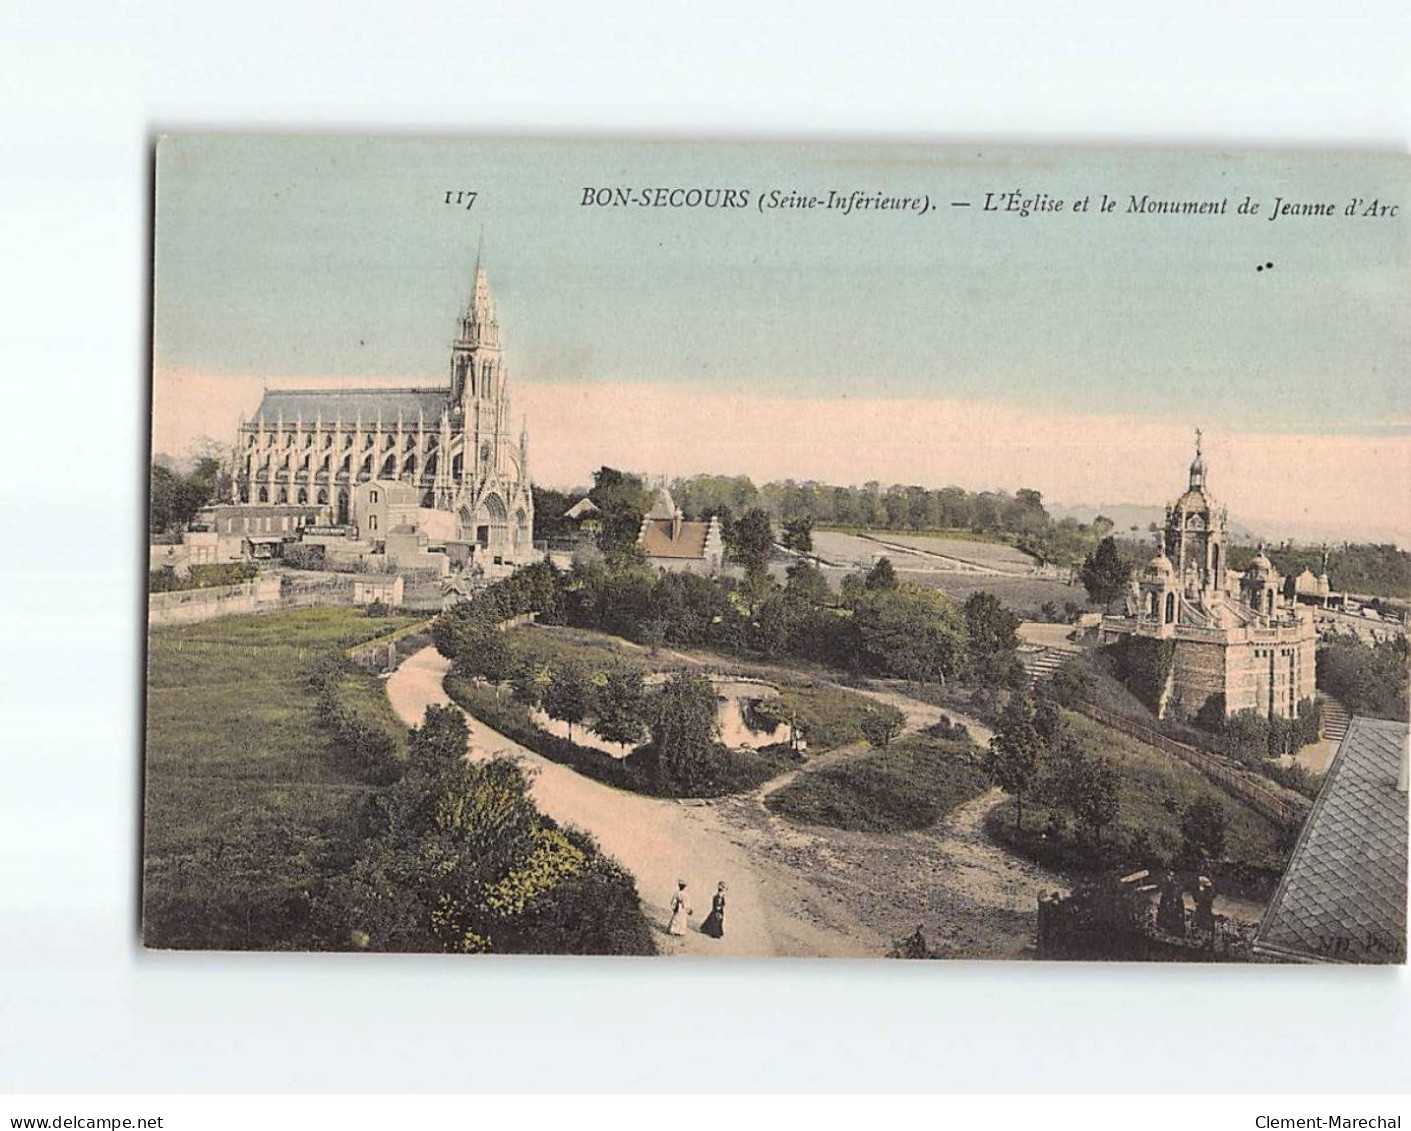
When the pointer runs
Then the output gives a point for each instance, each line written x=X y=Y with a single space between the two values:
x=475 y=355
x=490 y=476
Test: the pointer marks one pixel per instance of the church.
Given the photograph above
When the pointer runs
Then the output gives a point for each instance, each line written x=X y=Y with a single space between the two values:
x=1239 y=644
x=447 y=448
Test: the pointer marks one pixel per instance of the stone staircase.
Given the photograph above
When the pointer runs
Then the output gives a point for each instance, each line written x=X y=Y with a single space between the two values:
x=1041 y=663
x=1335 y=719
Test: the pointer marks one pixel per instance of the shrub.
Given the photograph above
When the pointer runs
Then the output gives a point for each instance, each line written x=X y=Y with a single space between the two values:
x=947 y=730
x=880 y=724
x=364 y=749
x=1203 y=829
x=1071 y=681
x=1143 y=666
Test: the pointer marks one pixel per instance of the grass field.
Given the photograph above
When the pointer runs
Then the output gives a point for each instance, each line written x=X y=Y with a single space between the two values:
x=236 y=759
x=850 y=548
x=1024 y=595
x=991 y=555
x=909 y=785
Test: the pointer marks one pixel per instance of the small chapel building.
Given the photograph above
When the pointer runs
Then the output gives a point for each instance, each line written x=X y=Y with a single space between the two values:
x=1235 y=635
x=669 y=541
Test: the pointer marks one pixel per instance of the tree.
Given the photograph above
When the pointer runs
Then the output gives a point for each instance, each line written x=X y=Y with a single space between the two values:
x=806 y=584
x=1248 y=734
x=881 y=576
x=1105 y=573
x=1048 y=721
x=568 y=694
x=752 y=540
x=527 y=683
x=620 y=709
x=1099 y=803
x=1203 y=826
x=880 y=724
x=1367 y=679
x=685 y=731
x=174 y=499
x=908 y=632
x=989 y=625
x=1012 y=762
x=490 y=658
x=623 y=500
x=991 y=641
x=798 y=535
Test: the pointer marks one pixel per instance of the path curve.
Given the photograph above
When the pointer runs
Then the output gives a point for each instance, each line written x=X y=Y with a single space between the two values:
x=655 y=839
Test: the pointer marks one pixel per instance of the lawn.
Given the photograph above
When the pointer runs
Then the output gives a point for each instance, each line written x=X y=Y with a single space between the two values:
x=1153 y=790
x=909 y=785
x=549 y=644
x=236 y=762
x=1024 y=595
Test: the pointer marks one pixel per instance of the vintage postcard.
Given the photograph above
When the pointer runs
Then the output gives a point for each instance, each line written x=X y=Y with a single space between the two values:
x=778 y=550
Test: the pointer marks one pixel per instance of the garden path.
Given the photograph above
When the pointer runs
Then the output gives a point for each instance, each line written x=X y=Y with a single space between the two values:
x=770 y=911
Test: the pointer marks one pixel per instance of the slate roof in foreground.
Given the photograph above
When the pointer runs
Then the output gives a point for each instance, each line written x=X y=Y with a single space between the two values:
x=1343 y=896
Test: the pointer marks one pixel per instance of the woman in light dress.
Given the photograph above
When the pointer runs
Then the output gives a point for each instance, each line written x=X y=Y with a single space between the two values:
x=680 y=910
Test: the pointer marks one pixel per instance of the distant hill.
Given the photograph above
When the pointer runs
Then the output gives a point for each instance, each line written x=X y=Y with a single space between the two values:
x=1126 y=515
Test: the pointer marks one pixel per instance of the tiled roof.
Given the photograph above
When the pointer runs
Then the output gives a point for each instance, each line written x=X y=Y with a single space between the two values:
x=346 y=404
x=584 y=506
x=1343 y=896
x=657 y=542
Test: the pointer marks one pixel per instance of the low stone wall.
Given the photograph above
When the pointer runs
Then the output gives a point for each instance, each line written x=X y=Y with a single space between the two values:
x=386 y=652
x=265 y=593
x=190 y=606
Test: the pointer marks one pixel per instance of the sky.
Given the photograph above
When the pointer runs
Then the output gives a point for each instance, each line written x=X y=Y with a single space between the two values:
x=1073 y=352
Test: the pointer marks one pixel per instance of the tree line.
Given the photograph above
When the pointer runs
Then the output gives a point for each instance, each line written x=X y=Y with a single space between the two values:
x=876 y=626
x=796 y=508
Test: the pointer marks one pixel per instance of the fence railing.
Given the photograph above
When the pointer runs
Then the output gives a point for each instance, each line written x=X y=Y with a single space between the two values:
x=1288 y=809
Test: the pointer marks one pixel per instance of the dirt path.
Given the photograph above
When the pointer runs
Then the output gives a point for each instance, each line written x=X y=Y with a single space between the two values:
x=770 y=910
x=793 y=890
x=973 y=897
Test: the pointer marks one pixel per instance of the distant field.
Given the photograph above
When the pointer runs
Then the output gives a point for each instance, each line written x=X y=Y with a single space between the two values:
x=854 y=549
x=992 y=555
x=236 y=759
x=1024 y=595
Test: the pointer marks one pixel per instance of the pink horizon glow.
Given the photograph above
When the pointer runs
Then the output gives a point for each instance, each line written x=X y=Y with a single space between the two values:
x=1333 y=485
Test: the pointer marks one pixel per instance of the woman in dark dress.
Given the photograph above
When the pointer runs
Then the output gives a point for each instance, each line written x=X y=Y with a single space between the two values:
x=714 y=924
